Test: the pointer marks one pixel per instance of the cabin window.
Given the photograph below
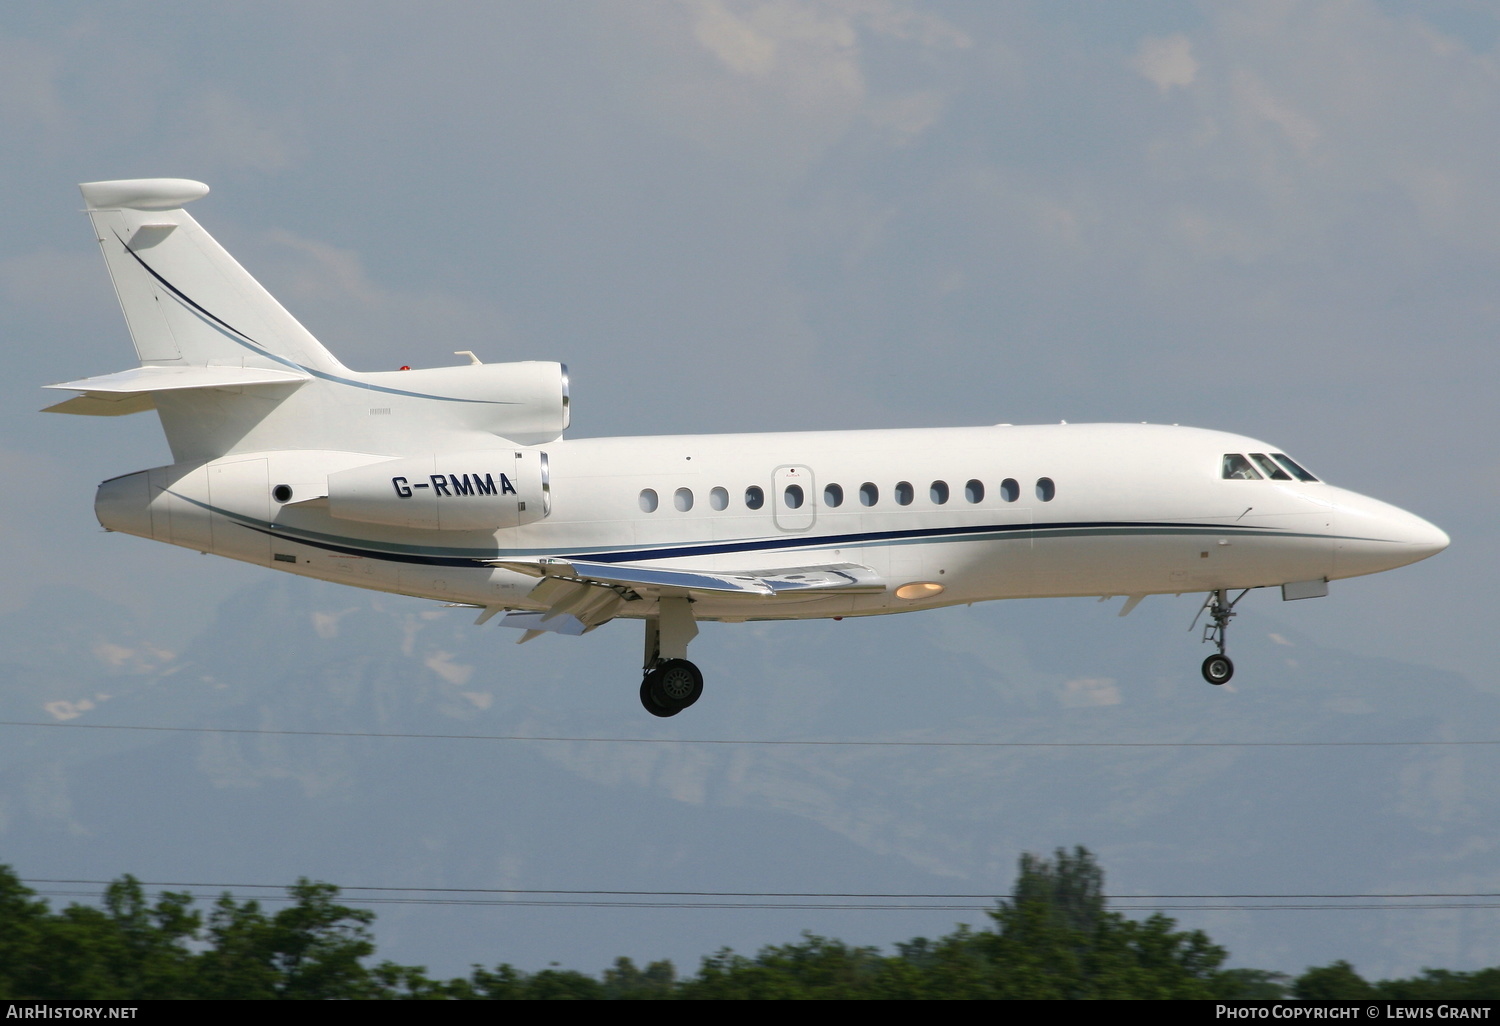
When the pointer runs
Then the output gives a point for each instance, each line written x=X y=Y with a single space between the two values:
x=683 y=499
x=1010 y=491
x=904 y=493
x=754 y=497
x=1237 y=468
x=648 y=500
x=1268 y=468
x=974 y=491
x=791 y=498
x=833 y=496
x=719 y=498
x=938 y=492
x=1297 y=472
x=1045 y=489
x=869 y=494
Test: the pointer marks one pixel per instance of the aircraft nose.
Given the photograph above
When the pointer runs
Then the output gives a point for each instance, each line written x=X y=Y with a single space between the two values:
x=1375 y=536
x=1423 y=538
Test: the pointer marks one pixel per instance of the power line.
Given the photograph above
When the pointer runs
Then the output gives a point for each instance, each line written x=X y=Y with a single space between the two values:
x=749 y=741
x=773 y=894
x=827 y=901
x=764 y=906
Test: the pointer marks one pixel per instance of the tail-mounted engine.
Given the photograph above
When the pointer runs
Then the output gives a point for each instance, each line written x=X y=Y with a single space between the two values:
x=526 y=403
x=483 y=490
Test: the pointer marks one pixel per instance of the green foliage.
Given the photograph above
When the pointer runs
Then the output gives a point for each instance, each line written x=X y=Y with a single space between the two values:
x=131 y=949
x=22 y=920
x=127 y=949
x=1053 y=937
x=1251 y=985
x=624 y=982
x=1338 y=981
x=1442 y=985
x=312 y=949
x=817 y=968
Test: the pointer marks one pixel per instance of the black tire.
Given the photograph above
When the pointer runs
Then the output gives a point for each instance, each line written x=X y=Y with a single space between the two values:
x=649 y=705
x=671 y=687
x=1217 y=669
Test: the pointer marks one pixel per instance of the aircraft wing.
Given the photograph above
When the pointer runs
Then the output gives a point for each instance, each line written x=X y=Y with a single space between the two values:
x=845 y=577
x=581 y=595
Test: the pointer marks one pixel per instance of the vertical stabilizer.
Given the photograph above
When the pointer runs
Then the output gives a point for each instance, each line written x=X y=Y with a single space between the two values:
x=230 y=372
x=188 y=303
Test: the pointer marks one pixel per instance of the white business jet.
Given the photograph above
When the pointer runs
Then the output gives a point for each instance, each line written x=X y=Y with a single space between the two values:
x=455 y=484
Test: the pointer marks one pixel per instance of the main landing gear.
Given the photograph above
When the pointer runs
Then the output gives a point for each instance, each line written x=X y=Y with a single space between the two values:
x=671 y=683
x=671 y=687
x=1217 y=669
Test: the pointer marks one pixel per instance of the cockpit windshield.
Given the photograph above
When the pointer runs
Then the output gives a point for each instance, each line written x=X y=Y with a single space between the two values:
x=1237 y=468
x=1269 y=468
x=1276 y=466
x=1297 y=472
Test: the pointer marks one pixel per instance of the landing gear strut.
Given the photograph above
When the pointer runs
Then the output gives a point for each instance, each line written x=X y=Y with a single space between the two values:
x=1217 y=669
x=671 y=683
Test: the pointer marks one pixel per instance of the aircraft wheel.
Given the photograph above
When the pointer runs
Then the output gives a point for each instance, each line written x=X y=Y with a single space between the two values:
x=671 y=687
x=649 y=704
x=1217 y=669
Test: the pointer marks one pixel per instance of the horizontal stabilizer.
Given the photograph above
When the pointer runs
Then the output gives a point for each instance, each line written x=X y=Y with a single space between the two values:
x=130 y=391
x=101 y=404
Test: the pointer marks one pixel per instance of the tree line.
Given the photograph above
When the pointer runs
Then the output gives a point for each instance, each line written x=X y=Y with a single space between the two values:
x=1052 y=938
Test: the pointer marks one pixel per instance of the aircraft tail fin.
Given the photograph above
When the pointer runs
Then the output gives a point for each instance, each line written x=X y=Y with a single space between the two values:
x=188 y=303
x=228 y=370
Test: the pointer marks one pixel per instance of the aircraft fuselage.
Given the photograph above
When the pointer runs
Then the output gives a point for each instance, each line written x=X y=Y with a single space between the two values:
x=981 y=513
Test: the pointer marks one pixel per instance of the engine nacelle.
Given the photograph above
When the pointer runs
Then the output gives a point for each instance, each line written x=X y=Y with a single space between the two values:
x=482 y=490
x=525 y=402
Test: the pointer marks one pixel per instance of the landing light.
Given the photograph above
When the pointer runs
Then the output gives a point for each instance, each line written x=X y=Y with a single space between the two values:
x=919 y=590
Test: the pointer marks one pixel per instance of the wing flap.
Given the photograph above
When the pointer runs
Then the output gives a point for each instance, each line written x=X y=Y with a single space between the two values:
x=842 y=577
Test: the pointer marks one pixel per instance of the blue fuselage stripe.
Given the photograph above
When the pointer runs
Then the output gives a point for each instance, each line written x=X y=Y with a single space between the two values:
x=954 y=534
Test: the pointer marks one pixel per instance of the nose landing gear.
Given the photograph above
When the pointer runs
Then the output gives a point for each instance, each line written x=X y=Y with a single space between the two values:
x=1217 y=669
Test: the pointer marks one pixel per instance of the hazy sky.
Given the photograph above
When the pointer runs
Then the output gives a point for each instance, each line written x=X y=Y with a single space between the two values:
x=1280 y=218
